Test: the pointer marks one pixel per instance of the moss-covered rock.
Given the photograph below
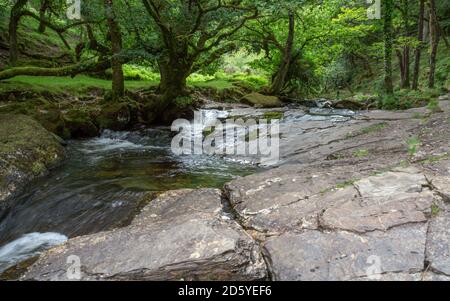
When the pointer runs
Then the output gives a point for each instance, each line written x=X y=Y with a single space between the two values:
x=262 y=101
x=80 y=125
x=114 y=116
x=27 y=151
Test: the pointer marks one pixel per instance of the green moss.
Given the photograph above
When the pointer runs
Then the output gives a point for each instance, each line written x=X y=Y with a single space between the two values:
x=80 y=125
x=114 y=115
x=38 y=168
x=273 y=116
x=26 y=148
x=433 y=159
x=435 y=210
x=361 y=153
x=260 y=100
x=345 y=184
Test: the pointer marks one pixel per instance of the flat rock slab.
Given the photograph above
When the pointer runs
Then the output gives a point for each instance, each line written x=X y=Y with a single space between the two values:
x=289 y=199
x=385 y=201
x=338 y=256
x=182 y=235
x=438 y=244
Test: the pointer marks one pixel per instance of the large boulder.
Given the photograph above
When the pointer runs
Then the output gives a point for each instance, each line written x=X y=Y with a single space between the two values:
x=27 y=151
x=262 y=101
x=182 y=235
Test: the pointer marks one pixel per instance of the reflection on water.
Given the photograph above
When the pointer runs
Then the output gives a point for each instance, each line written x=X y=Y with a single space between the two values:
x=101 y=184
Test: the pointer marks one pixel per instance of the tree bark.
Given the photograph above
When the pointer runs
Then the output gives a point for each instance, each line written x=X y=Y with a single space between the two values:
x=404 y=56
x=174 y=74
x=434 y=41
x=418 y=52
x=16 y=14
x=42 y=11
x=388 y=42
x=118 y=86
x=279 y=80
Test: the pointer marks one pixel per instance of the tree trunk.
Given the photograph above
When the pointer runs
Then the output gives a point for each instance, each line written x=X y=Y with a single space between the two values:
x=118 y=86
x=388 y=42
x=16 y=14
x=174 y=76
x=418 y=53
x=434 y=41
x=405 y=57
x=279 y=80
x=42 y=11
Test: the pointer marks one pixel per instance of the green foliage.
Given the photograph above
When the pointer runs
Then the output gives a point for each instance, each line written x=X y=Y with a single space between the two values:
x=361 y=153
x=269 y=116
x=135 y=72
x=368 y=130
x=413 y=145
x=184 y=102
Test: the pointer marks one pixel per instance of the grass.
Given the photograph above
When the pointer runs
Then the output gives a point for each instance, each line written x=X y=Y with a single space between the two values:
x=437 y=158
x=435 y=210
x=82 y=82
x=361 y=153
x=413 y=145
x=368 y=130
x=63 y=84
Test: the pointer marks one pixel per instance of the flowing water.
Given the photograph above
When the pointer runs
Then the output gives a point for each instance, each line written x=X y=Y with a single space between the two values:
x=102 y=185
x=104 y=181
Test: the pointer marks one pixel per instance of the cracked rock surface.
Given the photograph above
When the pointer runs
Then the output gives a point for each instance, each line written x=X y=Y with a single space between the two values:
x=180 y=235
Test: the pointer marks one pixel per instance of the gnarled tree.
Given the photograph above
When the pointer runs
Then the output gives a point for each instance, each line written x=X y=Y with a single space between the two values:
x=194 y=34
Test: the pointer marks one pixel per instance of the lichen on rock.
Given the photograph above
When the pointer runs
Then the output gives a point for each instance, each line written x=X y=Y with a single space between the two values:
x=27 y=151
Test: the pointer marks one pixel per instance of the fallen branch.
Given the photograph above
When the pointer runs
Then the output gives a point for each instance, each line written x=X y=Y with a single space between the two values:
x=71 y=70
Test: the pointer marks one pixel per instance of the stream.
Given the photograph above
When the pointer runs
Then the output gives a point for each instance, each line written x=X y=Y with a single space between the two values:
x=103 y=182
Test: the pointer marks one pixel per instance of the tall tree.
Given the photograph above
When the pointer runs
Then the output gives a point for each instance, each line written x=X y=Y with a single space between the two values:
x=280 y=77
x=45 y=5
x=403 y=52
x=14 y=19
x=115 y=34
x=193 y=34
x=434 y=41
x=418 y=52
x=388 y=10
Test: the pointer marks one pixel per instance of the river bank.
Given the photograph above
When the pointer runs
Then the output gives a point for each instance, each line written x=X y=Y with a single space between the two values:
x=375 y=182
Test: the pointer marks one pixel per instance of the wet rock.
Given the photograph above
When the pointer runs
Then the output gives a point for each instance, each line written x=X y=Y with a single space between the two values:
x=181 y=235
x=80 y=124
x=27 y=151
x=337 y=256
x=114 y=116
x=262 y=101
x=438 y=244
x=349 y=104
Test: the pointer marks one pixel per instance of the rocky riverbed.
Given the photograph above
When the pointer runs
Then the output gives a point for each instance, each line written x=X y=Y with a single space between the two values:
x=356 y=196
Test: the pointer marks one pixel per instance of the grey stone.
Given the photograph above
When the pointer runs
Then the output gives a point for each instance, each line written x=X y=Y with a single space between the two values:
x=182 y=235
x=438 y=244
x=337 y=256
x=385 y=201
x=27 y=151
